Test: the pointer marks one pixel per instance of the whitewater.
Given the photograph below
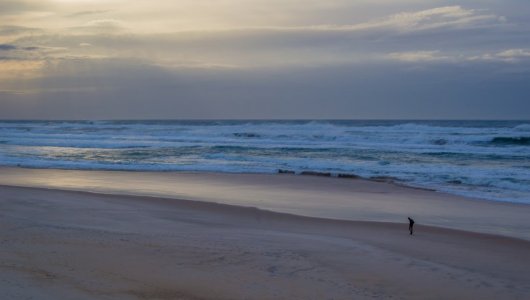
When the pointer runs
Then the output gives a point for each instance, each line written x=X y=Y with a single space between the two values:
x=481 y=159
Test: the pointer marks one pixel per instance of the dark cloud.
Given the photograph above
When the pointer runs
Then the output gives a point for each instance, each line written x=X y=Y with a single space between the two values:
x=7 y=47
x=87 y=13
x=31 y=48
x=125 y=89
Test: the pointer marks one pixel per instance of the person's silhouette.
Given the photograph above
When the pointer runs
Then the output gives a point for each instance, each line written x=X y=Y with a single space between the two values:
x=411 y=226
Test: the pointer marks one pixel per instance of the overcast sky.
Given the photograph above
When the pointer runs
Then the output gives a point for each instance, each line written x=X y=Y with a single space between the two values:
x=274 y=59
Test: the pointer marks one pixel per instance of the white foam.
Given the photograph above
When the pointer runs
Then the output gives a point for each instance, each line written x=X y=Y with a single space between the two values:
x=424 y=154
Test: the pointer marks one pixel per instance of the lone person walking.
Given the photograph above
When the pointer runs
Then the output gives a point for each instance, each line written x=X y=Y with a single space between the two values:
x=411 y=226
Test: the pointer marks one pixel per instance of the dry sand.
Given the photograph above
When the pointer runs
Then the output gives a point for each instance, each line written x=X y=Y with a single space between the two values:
x=77 y=245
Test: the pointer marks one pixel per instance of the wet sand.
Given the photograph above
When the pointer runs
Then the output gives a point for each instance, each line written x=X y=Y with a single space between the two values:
x=335 y=198
x=59 y=244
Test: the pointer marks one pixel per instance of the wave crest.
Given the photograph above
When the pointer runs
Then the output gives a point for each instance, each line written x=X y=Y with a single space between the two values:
x=505 y=140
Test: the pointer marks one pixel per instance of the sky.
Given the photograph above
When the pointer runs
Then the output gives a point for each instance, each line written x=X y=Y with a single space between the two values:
x=274 y=59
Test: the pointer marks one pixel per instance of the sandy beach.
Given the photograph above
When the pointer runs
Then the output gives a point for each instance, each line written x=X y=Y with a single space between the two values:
x=313 y=196
x=58 y=244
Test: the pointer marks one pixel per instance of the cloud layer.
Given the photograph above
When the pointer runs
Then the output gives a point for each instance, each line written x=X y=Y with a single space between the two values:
x=226 y=58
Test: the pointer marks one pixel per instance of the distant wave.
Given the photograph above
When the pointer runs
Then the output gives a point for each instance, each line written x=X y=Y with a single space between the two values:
x=522 y=140
x=485 y=159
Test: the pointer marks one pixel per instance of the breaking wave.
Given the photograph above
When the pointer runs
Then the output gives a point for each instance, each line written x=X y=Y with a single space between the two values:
x=522 y=140
x=484 y=159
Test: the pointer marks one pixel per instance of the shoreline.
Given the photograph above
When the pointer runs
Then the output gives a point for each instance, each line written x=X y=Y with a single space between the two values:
x=282 y=172
x=336 y=175
x=84 y=245
x=223 y=207
x=313 y=196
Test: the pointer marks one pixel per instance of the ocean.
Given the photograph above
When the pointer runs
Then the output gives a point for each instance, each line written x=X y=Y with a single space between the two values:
x=481 y=159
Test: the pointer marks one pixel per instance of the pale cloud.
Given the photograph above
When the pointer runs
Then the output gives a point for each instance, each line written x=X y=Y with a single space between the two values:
x=22 y=69
x=455 y=17
x=441 y=17
x=514 y=53
x=508 y=55
x=100 y=26
x=419 y=56
x=14 y=7
x=277 y=46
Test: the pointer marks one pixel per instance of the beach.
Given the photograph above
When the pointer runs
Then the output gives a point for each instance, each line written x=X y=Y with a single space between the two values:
x=149 y=235
x=264 y=150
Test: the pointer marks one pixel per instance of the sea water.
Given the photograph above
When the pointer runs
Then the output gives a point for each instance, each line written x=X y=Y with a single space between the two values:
x=482 y=159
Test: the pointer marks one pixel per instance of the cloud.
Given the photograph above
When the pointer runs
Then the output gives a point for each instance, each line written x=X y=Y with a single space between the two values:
x=448 y=17
x=445 y=33
x=101 y=88
x=22 y=69
x=7 y=47
x=508 y=55
x=10 y=30
x=514 y=53
x=442 y=17
x=31 y=48
x=99 y=26
x=34 y=56
x=13 y=7
x=104 y=24
x=87 y=13
x=234 y=57
x=418 y=56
